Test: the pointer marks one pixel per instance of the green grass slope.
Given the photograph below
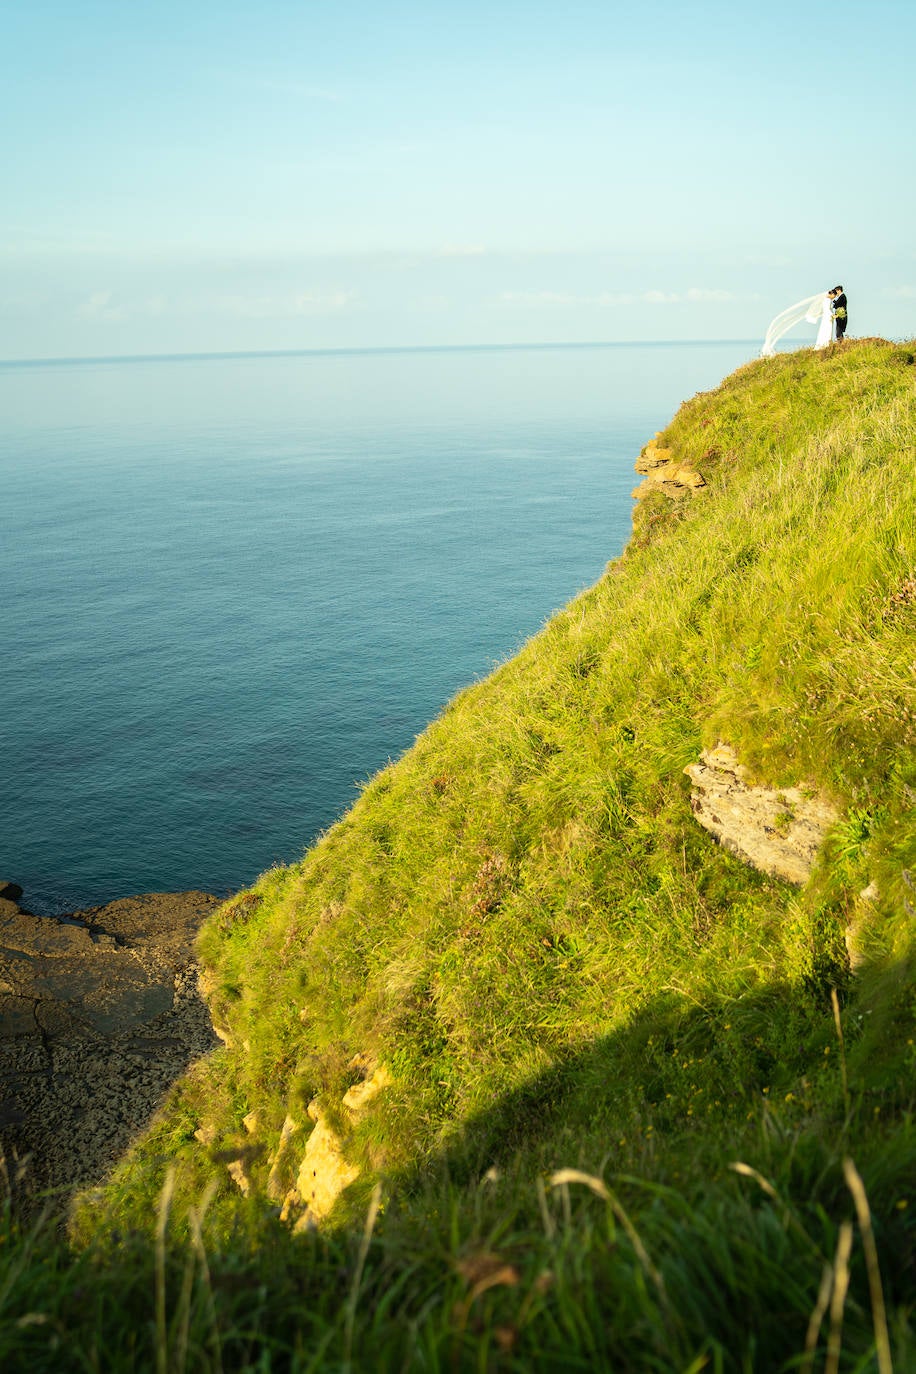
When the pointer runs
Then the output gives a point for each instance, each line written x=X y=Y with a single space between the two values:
x=561 y=970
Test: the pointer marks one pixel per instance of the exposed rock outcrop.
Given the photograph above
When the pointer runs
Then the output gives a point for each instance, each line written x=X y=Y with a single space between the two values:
x=325 y=1171
x=99 y=1013
x=308 y=1184
x=778 y=830
x=663 y=472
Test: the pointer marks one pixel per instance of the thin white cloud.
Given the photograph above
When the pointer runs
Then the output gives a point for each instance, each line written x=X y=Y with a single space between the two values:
x=299 y=303
x=694 y=295
x=566 y=298
x=322 y=302
x=900 y=293
x=700 y=293
x=101 y=305
x=462 y=250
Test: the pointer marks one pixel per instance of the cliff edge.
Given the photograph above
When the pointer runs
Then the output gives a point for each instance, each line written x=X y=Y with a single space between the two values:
x=602 y=1080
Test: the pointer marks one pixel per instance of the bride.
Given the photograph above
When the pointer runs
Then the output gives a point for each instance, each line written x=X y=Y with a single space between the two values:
x=815 y=309
x=825 y=329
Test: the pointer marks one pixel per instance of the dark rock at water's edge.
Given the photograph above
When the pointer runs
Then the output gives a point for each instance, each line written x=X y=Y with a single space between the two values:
x=99 y=1014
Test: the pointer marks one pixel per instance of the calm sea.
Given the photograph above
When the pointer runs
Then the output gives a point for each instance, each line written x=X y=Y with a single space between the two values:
x=233 y=588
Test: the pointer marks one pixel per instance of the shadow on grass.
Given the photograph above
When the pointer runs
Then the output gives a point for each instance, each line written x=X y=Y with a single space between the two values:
x=681 y=1254
x=483 y=1261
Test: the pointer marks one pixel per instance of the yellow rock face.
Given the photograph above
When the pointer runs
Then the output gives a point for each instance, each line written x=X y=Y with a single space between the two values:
x=282 y=1164
x=682 y=476
x=664 y=473
x=653 y=457
x=323 y=1173
x=777 y=830
x=361 y=1094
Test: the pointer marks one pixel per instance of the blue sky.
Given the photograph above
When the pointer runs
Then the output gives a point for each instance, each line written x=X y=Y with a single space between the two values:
x=204 y=177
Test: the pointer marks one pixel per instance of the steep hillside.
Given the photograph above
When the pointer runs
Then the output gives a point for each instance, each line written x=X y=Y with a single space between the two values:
x=520 y=952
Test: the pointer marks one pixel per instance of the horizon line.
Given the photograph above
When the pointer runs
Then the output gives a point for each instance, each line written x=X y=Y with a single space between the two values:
x=356 y=350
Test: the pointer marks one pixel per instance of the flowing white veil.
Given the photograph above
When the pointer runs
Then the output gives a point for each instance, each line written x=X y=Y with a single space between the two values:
x=810 y=309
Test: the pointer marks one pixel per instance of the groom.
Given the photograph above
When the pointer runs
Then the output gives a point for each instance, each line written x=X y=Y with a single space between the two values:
x=839 y=311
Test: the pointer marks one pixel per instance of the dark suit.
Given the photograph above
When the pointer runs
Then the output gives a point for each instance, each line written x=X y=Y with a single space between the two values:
x=840 y=315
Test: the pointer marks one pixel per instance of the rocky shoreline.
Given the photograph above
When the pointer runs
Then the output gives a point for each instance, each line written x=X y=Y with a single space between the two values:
x=100 y=1013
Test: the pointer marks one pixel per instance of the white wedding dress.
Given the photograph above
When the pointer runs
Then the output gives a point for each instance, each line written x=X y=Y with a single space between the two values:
x=825 y=329
x=814 y=309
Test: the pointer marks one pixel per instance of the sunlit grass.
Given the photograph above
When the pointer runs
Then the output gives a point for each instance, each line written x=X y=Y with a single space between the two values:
x=560 y=969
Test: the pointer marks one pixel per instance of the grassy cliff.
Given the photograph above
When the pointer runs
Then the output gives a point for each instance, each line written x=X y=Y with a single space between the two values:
x=523 y=937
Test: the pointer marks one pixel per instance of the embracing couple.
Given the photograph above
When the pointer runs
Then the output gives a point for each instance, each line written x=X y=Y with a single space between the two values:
x=834 y=312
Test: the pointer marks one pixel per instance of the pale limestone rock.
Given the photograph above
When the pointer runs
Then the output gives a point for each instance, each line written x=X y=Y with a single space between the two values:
x=681 y=475
x=324 y=1172
x=240 y=1176
x=357 y=1098
x=283 y=1165
x=250 y=1122
x=292 y=1204
x=660 y=466
x=778 y=830
x=663 y=472
x=207 y=984
x=653 y=457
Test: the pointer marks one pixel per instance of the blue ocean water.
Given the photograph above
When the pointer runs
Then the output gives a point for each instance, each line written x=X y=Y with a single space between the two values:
x=234 y=587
